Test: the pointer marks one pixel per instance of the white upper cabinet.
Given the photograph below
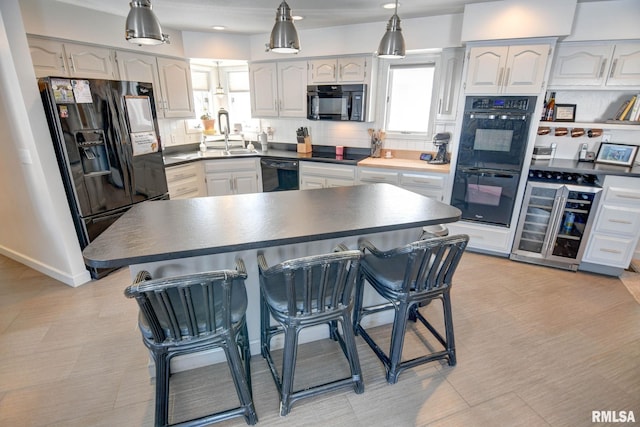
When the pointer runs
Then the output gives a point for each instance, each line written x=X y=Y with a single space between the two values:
x=175 y=84
x=517 y=69
x=278 y=89
x=292 y=89
x=171 y=79
x=55 y=58
x=355 y=69
x=597 y=65
x=449 y=88
x=141 y=68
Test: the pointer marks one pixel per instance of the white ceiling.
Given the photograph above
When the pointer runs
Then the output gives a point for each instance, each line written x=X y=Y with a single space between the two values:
x=257 y=16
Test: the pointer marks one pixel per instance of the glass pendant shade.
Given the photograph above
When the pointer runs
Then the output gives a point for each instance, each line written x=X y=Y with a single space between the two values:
x=392 y=43
x=142 y=25
x=219 y=89
x=284 y=37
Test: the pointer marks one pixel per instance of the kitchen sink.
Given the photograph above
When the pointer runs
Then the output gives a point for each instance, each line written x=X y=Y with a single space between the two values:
x=239 y=151
x=215 y=153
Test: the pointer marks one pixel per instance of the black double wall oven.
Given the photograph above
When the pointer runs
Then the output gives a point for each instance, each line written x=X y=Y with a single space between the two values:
x=493 y=143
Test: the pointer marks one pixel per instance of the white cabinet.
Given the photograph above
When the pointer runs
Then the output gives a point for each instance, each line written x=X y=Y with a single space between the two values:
x=516 y=69
x=55 y=58
x=597 y=65
x=426 y=183
x=451 y=63
x=373 y=175
x=617 y=224
x=171 y=79
x=351 y=69
x=233 y=176
x=176 y=89
x=324 y=175
x=186 y=181
x=278 y=89
x=172 y=76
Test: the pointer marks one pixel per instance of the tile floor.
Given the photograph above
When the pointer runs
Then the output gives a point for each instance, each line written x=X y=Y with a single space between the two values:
x=536 y=347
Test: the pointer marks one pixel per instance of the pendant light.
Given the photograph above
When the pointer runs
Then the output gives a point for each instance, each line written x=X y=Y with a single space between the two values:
x=392 y=43
x=284 y=37
x=143 y=27
x=219 y=89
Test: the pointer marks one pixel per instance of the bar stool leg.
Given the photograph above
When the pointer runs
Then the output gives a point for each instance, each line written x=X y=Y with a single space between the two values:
x=288 y=367
x=397 y=341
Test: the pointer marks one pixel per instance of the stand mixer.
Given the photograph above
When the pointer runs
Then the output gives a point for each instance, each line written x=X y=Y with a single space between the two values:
x=441 y=140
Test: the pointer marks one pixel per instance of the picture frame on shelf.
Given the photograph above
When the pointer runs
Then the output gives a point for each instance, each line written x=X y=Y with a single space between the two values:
x=617 y=154
x=565 y=113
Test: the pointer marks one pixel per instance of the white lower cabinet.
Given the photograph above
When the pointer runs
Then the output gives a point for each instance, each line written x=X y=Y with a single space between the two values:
x=616 y=227
x=324 y=175
x=233 y=176
x=426 y=183
x=186 y=181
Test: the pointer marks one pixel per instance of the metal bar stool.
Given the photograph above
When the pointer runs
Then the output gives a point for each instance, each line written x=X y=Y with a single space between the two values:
x=192 y=313
x=304 y=292
x=409 y=277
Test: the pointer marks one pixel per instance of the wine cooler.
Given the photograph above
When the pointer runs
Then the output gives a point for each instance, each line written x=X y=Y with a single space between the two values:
x=554 y=224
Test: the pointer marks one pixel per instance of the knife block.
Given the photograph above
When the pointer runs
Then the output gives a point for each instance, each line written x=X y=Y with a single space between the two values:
x=304 y=145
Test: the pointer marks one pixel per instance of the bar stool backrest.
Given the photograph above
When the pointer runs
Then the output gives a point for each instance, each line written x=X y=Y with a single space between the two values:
x=190 y=306
x=431 y=264
x=313 y=284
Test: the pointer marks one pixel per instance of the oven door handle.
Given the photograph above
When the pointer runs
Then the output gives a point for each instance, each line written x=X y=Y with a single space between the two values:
x=491 y=173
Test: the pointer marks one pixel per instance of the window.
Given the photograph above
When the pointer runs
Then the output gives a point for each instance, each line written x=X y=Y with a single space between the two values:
x=409 y=98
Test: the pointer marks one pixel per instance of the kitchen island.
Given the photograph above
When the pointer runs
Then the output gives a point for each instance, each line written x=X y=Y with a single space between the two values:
x=174 y=237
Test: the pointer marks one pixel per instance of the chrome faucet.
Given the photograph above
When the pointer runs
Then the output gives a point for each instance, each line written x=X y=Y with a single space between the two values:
x=226 y=139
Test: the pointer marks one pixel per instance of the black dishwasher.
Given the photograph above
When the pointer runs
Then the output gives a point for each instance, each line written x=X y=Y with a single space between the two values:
x=279 y=174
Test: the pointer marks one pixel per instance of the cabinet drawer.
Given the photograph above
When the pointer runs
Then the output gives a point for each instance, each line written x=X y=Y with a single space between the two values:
x=608 y=250
x=373 y=175
x=184 y=188
x=231 y=165
x=620 y=220
x=415 y=179
x=622 y=195
x=177 y=173
x=328 y=171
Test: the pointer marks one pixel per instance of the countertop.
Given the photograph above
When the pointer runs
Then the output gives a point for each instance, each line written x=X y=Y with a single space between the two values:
x=172 y=229
x=325 y=154
x=401 y=159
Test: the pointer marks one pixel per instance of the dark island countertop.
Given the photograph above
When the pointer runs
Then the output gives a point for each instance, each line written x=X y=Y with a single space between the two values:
x=172 y=229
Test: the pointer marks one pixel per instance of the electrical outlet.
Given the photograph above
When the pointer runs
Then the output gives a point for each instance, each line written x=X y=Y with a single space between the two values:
x=606 y=137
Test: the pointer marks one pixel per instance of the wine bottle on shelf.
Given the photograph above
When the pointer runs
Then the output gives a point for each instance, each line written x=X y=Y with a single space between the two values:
x=544 y=107
x=551 y=106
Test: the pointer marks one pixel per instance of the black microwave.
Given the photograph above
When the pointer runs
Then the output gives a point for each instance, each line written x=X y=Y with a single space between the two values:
x=336 y=102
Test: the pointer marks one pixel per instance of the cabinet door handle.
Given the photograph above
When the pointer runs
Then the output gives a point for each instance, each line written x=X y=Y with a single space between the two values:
x=613 y=68
x=604 y=62
x=611 y=251
x=619 y=221
x=628 y=196
x=73 y=64
x=64 y=68
x=440 y=106
x=500 y=75
x=506 y=77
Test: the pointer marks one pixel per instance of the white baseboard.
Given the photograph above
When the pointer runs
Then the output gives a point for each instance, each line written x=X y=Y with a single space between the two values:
x=71 y=280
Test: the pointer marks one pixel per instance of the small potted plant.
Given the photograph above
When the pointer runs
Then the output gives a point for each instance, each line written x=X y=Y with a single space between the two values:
x=208 y=123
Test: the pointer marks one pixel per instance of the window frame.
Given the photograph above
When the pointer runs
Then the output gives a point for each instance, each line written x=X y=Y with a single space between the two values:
x=385 y=65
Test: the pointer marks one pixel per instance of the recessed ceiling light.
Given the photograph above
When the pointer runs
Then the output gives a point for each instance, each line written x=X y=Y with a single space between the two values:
x=219 y=27
x=390 y=5
x=297 y=17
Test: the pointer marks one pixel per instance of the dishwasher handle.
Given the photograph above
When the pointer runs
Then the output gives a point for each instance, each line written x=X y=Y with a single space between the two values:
x=279 y=164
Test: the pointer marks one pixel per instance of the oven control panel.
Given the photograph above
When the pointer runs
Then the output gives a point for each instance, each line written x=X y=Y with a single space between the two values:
x=501 y=103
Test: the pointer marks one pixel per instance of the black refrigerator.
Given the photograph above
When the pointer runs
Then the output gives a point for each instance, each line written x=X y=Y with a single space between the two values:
x=105 y=135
